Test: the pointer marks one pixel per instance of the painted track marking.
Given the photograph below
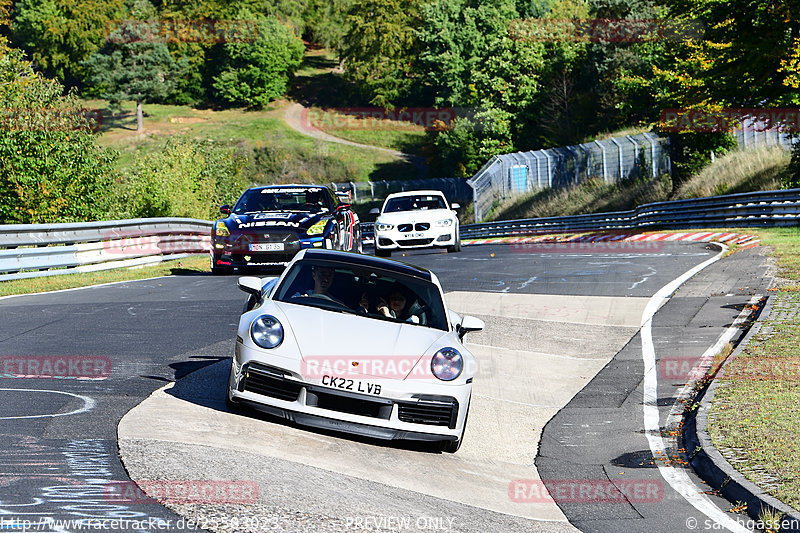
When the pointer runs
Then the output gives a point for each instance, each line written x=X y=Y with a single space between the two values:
x=678 y=479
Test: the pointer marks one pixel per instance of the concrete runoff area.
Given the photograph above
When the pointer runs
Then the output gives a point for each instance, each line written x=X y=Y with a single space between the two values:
x=536 y=353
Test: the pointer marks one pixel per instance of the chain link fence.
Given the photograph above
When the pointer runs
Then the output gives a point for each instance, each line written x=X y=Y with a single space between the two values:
x=757 y=134
x=611 y=160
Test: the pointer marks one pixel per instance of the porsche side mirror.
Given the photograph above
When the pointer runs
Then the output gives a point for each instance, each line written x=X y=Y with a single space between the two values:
x=469 y=323
x=250 y=285
x=225 y=209
x=374 y=211
x=455 y=206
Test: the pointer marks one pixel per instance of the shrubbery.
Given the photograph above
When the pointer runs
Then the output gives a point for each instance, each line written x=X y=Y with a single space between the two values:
x=791 y=180
x=186 y=178
x=275 y=162
x=51 y=168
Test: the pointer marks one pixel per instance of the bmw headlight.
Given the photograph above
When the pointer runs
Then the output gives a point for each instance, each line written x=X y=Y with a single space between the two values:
x=384 y=227
x=221 y=229
x=317 y=228
x=447 y=364
x=266 y=331
x=444 y=223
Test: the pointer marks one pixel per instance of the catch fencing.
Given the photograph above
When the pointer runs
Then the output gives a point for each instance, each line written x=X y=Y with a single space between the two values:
x=35 y=250
x=611 y=160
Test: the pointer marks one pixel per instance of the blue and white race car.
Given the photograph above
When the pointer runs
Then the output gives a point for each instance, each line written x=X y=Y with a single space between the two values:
x=269 y=225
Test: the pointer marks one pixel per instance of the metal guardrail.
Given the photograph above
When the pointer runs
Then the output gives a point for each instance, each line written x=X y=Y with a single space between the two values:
x=757 y=209
x=35 y=250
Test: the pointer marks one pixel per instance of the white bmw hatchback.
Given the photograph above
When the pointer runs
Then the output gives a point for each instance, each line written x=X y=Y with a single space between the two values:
x=416 y=219
x=357 y=344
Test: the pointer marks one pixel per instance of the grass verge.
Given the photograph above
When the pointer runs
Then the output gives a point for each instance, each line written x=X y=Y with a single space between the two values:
x=755 y=416
x=195 y=264
x=279 y=153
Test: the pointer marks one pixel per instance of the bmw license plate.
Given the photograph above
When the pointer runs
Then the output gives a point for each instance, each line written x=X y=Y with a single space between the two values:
x=354 y=385
x=267 y=247
x=417 y=235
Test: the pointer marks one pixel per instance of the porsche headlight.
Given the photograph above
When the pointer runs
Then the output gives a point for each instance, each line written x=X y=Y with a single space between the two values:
x=266 y=331
x=444 y=223
x=447 y=364
x=317 y=228
x=221 y=229
x=384 y=227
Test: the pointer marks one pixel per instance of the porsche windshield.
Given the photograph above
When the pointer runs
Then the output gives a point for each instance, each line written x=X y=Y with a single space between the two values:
x=288 y=199
x=415 y=203
x=371 y=293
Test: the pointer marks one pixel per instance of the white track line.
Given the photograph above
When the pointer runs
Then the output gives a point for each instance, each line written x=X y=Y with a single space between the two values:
x=677 y=478
x=88 y=404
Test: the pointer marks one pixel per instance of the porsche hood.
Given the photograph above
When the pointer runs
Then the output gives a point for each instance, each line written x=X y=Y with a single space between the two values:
x=326 y=338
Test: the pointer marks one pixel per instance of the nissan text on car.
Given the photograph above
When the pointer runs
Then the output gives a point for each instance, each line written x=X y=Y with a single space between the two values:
x=356 y=344
x=269 y=225
x=416 y=219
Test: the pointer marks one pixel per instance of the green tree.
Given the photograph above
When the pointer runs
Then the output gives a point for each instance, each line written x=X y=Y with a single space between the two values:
x=379 y=48
x=254 y=73
x=135 y=64
x=51 y=168
x=60 y=34
x=326 y=22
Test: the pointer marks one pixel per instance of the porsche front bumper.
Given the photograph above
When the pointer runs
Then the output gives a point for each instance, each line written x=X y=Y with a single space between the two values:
x=402 y=411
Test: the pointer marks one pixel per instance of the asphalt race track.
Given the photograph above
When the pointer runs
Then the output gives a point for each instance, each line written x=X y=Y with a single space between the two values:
x=560 y=362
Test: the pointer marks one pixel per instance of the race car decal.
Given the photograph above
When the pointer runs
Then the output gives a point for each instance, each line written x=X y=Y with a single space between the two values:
x=291 y=190
x=262 y=223
x=273 y=214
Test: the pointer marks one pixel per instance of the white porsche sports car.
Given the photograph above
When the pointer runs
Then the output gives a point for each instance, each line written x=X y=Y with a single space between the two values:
x=416 y=219
x=357 y=344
